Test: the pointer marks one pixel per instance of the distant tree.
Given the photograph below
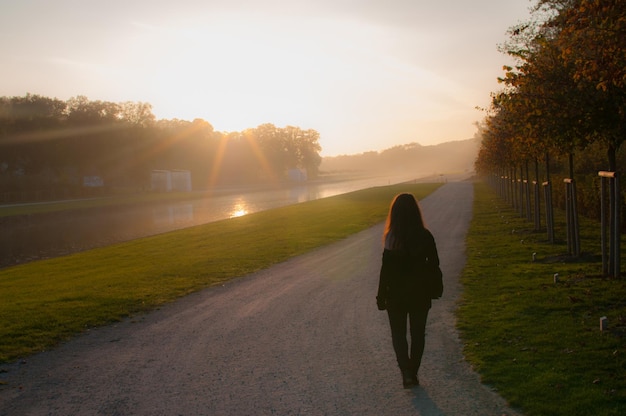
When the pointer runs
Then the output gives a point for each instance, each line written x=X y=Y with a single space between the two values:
x=25 y=145
x=309 y=152
x=136 y=113
x=123 y=142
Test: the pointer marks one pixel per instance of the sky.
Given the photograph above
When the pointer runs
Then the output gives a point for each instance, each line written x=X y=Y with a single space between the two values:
x=366 y=74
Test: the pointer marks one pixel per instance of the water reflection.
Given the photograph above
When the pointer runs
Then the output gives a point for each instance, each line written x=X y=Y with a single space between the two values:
x=300 y=194
x=172 y=214
x=31 y=237
x=240 y=208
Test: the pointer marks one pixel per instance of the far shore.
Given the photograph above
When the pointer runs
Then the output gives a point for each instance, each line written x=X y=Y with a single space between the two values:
x=131 y=197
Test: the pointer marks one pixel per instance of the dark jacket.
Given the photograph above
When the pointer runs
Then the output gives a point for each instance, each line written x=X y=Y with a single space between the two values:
x=402 y=283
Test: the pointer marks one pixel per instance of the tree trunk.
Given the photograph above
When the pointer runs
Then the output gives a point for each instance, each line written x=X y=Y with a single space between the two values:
x=611 y=154
x=615 y=214
x=537 y=193
x=527 y=191
x=548 y=198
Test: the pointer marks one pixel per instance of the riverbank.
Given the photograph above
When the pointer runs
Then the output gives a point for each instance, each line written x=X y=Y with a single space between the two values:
x=132 y=197
x=150 y=197
x=294 y=339
x=50 y=300
x=40 y=231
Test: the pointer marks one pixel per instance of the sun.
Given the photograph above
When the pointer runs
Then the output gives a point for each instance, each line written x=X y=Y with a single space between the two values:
x=234 y=76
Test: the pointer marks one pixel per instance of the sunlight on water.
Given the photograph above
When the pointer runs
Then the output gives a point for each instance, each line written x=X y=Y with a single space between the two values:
x=238 y=213
x=239 y=209
x=55 y=234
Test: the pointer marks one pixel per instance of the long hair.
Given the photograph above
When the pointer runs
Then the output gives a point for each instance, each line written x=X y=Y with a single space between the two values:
x=404 y=222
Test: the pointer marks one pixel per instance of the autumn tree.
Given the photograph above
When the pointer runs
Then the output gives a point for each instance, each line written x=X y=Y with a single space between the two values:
x=591 y=37
x=571 y=73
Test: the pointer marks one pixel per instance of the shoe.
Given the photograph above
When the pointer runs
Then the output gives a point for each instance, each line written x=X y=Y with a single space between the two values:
x=416 y=381
x=409 y=379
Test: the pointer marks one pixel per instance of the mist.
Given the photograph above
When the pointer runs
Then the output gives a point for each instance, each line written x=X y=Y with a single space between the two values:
x=408 y=159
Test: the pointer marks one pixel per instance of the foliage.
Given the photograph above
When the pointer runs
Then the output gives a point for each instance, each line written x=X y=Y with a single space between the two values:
x=565 y=97
x=536 y=341
x=567 y=90
x=48 y=144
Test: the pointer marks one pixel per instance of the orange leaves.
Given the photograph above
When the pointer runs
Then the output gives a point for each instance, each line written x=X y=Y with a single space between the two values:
x=566 y=90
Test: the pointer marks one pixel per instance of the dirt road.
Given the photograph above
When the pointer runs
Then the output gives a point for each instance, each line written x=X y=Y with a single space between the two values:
x=301 y=338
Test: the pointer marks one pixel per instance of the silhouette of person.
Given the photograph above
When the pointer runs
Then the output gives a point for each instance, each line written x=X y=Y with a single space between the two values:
x=409 y=249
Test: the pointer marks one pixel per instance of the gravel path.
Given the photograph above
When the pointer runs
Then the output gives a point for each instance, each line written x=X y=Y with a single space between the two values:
x=301 y=338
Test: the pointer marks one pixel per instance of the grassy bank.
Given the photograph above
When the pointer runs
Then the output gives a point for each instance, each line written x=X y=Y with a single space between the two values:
x=536 y=341
x=45 y=302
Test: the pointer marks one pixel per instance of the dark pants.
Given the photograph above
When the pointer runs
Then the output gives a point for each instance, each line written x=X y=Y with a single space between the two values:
x=398 y=324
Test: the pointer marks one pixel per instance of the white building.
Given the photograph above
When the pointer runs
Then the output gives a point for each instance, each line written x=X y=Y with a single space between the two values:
x=174 y=180
x=161 y=180
x=181 y=180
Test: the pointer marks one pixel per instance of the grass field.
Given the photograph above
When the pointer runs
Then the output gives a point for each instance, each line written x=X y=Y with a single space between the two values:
x=536 y=341
x=44 y=302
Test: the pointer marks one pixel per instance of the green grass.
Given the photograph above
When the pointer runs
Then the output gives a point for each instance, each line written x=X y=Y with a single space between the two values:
x=539 y=343
x=45 y=302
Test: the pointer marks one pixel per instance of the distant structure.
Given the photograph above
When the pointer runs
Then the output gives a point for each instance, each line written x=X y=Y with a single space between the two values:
x=93 y=181
x=181 y=181
x=161 y=180
x=171 y=180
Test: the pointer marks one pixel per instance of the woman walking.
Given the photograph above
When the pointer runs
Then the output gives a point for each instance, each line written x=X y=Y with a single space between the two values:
x=409 y=255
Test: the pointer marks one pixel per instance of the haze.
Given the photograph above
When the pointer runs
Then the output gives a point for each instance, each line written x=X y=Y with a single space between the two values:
x=367 y=75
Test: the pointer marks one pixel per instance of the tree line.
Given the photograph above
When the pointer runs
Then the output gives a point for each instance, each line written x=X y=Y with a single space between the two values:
x=47 y=144
x=412 y=158
x=561 y=112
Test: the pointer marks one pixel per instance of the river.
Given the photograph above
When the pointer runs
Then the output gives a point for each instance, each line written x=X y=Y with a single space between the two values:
x=32 y=237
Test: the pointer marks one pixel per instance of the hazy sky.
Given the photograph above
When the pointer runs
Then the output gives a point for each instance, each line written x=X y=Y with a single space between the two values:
x=366 y=74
